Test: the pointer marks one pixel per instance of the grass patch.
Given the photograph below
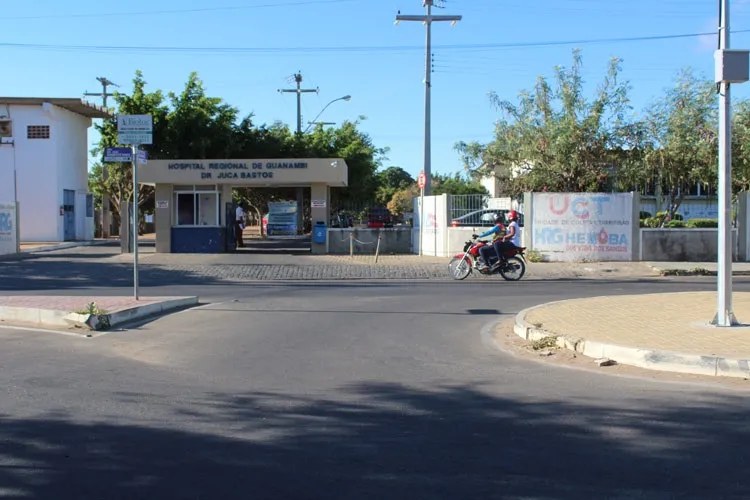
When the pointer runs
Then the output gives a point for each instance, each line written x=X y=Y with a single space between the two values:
x=92 y=309
x=547 y=342
x=534 y=256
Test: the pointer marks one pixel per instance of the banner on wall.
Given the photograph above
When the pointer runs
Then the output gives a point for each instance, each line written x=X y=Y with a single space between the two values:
x=8 y=232
x=579 y=227
x=282 y=218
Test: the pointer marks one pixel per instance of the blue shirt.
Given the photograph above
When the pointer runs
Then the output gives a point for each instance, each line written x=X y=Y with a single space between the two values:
x=495 y=230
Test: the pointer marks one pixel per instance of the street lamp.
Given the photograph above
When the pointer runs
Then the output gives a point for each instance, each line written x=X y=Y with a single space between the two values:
x=345 y=98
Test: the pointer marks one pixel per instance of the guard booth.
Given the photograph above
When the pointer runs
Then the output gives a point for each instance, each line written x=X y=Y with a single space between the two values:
x=194 y=207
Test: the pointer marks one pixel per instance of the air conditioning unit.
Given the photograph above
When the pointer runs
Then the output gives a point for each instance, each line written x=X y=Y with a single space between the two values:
x=6 y=128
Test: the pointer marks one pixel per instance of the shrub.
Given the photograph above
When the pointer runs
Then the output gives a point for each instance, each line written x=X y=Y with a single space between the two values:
x=534 y=256
x=675 y=224
x=703 y=223
x=644 y=215
x=663 y=215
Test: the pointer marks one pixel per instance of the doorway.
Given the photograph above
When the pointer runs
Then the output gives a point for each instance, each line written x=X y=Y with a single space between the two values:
x=69 y=215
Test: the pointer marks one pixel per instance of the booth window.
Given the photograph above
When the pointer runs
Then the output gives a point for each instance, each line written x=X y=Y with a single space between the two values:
x=196 y=206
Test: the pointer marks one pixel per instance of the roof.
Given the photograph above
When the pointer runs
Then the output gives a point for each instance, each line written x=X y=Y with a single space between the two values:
x=75 y=105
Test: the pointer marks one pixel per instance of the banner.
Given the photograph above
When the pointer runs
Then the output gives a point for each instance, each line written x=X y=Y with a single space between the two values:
x=282 y=219
x=583 y=227
x=8 y=233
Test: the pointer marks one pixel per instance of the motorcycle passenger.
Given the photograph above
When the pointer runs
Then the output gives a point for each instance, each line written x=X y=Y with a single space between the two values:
x=497 y=232
x=510 y=239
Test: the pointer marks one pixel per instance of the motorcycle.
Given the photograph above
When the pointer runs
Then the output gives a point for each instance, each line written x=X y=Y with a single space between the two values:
x=511 y=269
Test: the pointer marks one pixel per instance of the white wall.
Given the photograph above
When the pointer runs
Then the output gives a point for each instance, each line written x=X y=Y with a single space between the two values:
x=435 y=235
x=44 y=168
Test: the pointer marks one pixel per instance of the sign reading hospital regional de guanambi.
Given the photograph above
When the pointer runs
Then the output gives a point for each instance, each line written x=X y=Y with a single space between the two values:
x=577 y=227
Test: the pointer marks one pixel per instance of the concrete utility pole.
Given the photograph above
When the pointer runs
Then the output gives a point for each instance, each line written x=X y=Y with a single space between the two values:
x=299 y=91
x=428 y=20
x=731 y=66
x=103 y=94
x=105 y=199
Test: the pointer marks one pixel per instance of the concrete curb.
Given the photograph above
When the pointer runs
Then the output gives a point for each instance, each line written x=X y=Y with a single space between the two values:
x=58 y=319
x=671 y=271
x=70 y=244
x=650 y=359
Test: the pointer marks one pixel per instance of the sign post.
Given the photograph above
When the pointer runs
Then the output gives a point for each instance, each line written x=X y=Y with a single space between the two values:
x=421 y=183
x=135 y=130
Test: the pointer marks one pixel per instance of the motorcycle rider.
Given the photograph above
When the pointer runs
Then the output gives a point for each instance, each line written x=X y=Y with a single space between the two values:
x=497 y=232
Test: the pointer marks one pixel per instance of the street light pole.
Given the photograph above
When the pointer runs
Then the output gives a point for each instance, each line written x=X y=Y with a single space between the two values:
x=345 y=98
x=428 y=20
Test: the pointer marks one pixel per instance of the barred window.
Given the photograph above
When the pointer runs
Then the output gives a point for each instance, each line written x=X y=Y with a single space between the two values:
x=37 y=132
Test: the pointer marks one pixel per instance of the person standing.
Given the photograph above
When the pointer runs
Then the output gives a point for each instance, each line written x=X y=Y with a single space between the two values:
x=239 y=224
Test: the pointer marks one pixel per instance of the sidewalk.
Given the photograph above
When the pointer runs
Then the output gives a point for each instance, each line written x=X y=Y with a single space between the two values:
x=88 y=313
x=668 y=332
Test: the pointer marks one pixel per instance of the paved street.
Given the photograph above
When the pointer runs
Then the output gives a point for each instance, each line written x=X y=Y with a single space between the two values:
x=343 y=390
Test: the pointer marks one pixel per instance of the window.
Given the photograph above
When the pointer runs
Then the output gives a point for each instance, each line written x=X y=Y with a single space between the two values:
x=37 y=132
x=196 y=206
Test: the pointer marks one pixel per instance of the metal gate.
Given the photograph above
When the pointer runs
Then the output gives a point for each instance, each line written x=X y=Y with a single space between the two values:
x=69 y=215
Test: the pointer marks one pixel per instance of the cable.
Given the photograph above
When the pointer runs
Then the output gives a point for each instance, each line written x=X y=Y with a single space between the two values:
x=178 y=11
x=392 y=48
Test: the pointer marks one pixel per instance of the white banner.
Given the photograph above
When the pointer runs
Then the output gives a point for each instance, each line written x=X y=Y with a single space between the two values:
x=583 y=227
x=434 y=236
x=8 y=232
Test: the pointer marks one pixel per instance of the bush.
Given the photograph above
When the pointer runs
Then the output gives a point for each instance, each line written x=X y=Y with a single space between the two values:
x=644 y=215
x=675 y=224
x=663 y=215
x=703 y=223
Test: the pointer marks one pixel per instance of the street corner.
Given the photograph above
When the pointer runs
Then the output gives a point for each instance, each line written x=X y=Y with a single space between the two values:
x=669 y=332
x=86 y=315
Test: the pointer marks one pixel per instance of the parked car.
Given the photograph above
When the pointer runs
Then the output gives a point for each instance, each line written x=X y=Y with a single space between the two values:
x=379 y=217
x=483 y=218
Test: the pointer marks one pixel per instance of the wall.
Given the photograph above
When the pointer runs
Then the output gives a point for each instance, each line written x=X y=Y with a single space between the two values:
x=435 y=232
x=198 y=239
x=682 y=245
x=8 y=229
x=35 y=162
x=71 y=132
x=393 y=241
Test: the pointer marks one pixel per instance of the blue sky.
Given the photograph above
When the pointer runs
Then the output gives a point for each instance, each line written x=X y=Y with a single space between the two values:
x=385 y=82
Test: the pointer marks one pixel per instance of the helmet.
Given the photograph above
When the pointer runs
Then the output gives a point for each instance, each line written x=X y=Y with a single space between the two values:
x=512 y=215
x=497 y=217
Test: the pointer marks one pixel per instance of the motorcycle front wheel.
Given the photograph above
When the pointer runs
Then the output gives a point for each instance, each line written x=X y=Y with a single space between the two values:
x=514 y=269
x=460 y=268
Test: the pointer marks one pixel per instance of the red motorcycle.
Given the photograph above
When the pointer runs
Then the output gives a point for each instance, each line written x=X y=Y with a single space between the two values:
x=512 y=268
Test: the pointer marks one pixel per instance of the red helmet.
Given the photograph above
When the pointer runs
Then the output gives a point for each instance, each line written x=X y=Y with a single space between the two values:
x=512 y=215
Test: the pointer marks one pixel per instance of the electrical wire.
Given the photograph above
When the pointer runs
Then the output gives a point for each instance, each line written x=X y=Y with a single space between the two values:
x=177 y=11
x=339 y=49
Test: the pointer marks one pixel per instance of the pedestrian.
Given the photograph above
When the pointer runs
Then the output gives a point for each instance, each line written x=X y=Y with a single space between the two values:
x=239 y=223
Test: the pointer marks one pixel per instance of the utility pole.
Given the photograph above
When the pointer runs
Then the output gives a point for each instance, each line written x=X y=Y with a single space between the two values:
x=299 y=91
x=103 y=94
x=105 y=199
x=731 y=66
x=427 y=20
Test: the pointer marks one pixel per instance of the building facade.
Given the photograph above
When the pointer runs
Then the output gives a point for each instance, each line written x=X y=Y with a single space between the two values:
x=44 y=166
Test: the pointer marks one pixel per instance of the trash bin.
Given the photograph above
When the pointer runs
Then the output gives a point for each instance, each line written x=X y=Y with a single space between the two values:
x=319 y=233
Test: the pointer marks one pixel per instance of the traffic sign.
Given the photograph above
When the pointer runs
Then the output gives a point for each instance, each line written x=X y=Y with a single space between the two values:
x=118 y=155
x=135 y=138
x=142 y=157
x=421 y=180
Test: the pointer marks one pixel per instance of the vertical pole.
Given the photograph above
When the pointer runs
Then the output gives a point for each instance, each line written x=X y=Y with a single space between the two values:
x=725 y=312
x=299 y=105
x=351 y=245
x=421 y=221
x=135 y=220
x=427 y=103
x=377 y=248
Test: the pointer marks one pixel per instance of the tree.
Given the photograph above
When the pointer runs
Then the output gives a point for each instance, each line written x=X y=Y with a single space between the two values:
x=403 y=201
x=456 y=184
x=555 y=138
x=391 y=180
x=681 y=147
x=741 y=146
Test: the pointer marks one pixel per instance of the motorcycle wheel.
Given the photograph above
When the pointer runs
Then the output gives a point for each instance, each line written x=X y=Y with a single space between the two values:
x=514 y=269
x=460 y=268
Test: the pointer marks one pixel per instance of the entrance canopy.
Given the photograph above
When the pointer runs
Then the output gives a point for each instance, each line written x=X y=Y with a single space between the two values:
x=332 y=172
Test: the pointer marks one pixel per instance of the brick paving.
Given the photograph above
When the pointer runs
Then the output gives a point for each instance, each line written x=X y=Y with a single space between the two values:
x=73 y=304
x=677 y=322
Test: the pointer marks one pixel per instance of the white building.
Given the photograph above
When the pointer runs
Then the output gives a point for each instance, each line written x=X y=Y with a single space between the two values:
x=44 y=166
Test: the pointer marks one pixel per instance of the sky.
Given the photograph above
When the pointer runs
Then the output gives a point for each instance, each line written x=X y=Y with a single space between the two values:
x=245 y=51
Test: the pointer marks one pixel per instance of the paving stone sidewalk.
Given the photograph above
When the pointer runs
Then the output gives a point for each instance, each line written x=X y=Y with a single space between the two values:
x=75 y=304
x=661 y=331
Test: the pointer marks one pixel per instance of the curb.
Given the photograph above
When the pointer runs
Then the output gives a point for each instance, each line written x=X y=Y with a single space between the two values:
x=63 y=246
x=58 y=319
x=666 y=272
x=650 y=359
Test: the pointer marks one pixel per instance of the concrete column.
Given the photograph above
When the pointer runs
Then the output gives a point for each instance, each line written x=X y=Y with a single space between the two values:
x=635 y=237
x=743 y=231
x=528 y=220
x=319 y=192
x=163 y=217
x=226 y=197
x=300 y=209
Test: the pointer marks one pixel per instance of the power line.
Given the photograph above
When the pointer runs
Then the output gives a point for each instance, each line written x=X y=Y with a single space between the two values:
x=339 y=49
x=177 y=11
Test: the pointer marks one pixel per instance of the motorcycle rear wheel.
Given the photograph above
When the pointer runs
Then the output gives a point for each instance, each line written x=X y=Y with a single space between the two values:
x=514 y=269
x=460 y=268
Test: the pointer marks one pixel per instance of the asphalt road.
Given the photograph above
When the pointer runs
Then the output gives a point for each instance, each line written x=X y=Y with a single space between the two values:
x=352 y=390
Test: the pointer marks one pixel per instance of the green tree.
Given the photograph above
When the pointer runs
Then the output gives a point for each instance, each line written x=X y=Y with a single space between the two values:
x=391 y=180
x=456 y=184
x=741 y=146
x=403 y=201
x=556 y=138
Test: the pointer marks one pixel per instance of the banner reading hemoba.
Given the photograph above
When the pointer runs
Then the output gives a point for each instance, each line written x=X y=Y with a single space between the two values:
x=577 y=227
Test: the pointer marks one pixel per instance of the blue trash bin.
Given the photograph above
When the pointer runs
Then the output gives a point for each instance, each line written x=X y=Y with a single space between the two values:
x=319 y=233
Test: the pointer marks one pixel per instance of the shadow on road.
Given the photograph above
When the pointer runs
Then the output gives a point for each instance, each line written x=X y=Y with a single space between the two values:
x=384 y=441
